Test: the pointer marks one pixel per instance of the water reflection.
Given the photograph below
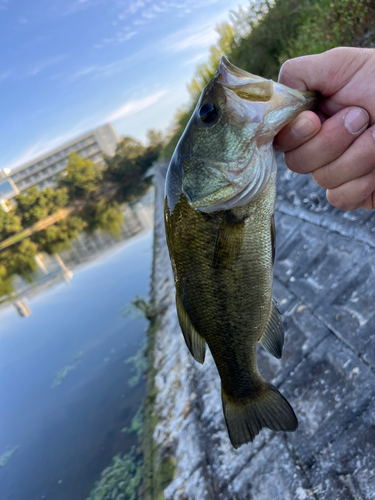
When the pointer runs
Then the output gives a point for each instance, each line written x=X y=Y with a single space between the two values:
x=64 y=370
x=58 y=267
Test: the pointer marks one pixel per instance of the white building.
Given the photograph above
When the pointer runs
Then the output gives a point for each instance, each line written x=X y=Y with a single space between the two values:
x=45 y=170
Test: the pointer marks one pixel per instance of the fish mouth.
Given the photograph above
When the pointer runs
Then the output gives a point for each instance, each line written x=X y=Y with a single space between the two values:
x=281 y=103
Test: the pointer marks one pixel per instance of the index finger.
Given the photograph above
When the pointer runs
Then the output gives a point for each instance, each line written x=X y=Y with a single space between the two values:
x=327 y=72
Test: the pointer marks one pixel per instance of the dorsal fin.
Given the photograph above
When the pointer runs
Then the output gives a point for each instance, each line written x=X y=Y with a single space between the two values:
x=273 y=337
x=195 y=342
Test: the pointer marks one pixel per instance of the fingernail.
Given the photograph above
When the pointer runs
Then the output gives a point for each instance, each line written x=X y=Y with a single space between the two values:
x=302 y=128
x=355 y=120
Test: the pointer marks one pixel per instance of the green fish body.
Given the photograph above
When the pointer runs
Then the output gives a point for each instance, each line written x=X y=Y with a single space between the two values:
x=219 y=220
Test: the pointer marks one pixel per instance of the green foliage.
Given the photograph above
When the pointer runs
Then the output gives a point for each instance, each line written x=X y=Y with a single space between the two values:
x=139 y=362
x=261 y=37
x=9 y=224
x=82 y=177
x=139 y=307
x=35 y=205
x=130 y=164
x=6 y=286
x=19 y=259
x=164 y=476
x=58 y=236
x=131 y=160
x=105 y=215
x=120 y=481
x=331 y=23
x=137 y=424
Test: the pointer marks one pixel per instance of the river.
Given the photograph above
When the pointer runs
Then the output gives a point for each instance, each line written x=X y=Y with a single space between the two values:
x=65 y=426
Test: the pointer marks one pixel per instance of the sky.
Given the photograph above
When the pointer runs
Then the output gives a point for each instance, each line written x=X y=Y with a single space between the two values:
x=68 y=66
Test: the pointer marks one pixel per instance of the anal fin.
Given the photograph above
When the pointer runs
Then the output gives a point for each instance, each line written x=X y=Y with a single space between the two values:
x=273 y=337
x=195 y=342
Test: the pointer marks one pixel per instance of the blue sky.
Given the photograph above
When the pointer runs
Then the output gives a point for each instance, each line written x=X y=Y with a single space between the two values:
x=68 y=66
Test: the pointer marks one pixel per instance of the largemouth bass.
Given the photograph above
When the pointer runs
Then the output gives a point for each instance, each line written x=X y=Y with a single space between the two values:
x=219 y=220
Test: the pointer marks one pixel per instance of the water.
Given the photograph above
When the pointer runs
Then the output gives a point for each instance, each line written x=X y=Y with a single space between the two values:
x=69 y=433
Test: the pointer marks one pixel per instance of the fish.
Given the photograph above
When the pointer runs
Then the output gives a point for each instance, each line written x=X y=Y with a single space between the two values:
x=219 y=206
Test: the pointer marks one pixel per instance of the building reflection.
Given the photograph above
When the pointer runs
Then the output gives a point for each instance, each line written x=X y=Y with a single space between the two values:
x=57 y=268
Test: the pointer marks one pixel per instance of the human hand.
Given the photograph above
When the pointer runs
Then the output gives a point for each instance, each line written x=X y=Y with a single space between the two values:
x=336 y=143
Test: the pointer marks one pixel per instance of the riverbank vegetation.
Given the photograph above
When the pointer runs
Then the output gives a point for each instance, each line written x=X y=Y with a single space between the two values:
x=260 y=38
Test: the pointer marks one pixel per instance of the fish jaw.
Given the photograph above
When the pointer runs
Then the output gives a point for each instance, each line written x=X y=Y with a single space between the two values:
x=270 y=103
x=286 y=103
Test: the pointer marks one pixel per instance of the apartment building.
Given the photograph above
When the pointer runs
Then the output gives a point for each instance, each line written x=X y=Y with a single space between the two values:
x=45 y=170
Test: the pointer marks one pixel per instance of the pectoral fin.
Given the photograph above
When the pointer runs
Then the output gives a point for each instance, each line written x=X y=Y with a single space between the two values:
x=273 y=337
x=229 y=241
x=196 y=344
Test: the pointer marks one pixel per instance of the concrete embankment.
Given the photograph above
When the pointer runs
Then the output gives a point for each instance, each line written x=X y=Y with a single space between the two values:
x=324 y=283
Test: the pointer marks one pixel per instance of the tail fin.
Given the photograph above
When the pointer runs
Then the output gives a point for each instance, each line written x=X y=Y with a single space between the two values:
x=245 y=417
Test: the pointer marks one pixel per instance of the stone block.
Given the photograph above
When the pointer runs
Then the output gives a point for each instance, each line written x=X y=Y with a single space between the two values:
x=328 y=391
x=349 y=306
x=346 y=469
x=271 y=474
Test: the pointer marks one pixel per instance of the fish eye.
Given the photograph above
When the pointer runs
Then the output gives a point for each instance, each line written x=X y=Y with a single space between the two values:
x=208 y=112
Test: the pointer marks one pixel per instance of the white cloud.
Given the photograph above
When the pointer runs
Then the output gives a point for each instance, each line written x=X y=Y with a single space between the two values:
x=135 y=106
x=136 y=5
x=195 y=59
x=3 y=4
x=148 y=14
x=23 y=20
x=204 y=38
x=41 y=65
x=82 y=72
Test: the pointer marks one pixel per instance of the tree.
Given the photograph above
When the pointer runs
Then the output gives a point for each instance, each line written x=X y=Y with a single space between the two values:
x=19 y=259
x=6 y=287
x=131 y=162
x=9 y=224
x=104 y=215
x=82 y=177
x=35 y=205
x=58 y=236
